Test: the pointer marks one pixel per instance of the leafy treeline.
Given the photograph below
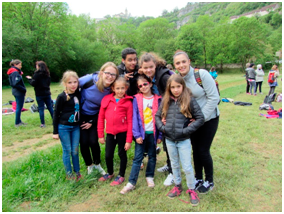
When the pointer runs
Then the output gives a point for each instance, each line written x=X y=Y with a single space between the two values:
x=46 y=31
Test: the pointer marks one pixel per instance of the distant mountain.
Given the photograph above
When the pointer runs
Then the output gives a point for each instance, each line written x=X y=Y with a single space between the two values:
x=216 y=10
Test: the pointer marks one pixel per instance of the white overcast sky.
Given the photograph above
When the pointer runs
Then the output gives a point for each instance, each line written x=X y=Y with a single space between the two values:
x=137 y=8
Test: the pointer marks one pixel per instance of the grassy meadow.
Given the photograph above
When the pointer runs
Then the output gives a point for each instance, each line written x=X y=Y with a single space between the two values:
x=247 y=155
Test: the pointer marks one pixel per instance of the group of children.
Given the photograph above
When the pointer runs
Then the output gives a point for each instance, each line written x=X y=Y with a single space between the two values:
x=146 y=117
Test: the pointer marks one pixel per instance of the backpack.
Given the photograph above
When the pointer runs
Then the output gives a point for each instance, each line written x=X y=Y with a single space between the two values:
x=271 y=77
x=269 y=98
x=199 y=81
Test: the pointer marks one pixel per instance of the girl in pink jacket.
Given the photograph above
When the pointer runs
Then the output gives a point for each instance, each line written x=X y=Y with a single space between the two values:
x=116 y=115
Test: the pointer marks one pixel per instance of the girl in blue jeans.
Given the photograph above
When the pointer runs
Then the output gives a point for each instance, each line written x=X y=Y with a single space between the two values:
x=178 y=117
x=145 y=106
x=66 y=123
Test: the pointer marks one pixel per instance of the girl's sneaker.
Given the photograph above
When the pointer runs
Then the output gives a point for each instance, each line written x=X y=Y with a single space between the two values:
x=106 y=177
x=101 y=170
x=70 y=177
x=163 y=168
x=118 y=180
x=169 y=180
x=176 y=191
x=78 y=176
x=90 y=169
x=42 y=126
x=127 y=188
x=194 y=200
x=198 y=183
x=205 y=187
x=150 y=182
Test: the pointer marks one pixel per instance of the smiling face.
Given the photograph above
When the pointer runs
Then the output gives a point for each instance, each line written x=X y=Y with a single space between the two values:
x=144 y=87
x=182 y=64
x=71 y=85
x=109 y=75
x=119 y=88
x=130 y=62
x=149 y=68
x=176 y=89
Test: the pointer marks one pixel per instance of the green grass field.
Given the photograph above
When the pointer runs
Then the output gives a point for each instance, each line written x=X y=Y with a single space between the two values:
x=247 y=155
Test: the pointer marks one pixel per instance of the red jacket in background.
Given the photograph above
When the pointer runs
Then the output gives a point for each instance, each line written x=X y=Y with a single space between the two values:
x=118 y=116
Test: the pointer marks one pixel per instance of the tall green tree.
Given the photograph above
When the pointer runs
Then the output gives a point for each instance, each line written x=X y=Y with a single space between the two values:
x=188 y=41
x=220 y=43
x=151 y=31
x=47 y=26
x=248 y=40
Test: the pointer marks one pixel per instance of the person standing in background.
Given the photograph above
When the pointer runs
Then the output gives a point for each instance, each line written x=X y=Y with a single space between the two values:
x=18 y=88
x=41 y=83
x=259 y=78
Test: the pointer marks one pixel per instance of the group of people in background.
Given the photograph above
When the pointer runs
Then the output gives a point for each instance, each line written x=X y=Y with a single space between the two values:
x=255 y=77
x=141 y=101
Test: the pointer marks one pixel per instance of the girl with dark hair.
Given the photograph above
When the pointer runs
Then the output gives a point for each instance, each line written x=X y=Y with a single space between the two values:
x=154 y=67
x=145 y=106
x=18 y=88
x=41 y=83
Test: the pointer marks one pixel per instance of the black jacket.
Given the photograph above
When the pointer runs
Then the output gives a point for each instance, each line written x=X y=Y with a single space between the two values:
x=16 y=81
x=133 y=88
x=162 y=75
x=64 y=110
x=176 y=128
x=41 y=83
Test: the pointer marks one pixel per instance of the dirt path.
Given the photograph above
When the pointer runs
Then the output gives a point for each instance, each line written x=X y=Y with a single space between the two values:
x=26 y=147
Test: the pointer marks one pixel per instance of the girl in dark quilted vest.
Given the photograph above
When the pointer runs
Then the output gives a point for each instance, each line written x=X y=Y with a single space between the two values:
x=178 y=117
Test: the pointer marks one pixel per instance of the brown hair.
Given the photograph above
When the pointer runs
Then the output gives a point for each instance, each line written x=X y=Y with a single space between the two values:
x=100 y=83
x=66 y=75
x=120 y=79
x=179 y=52
x=183 y=99
x=151 y=56
x=274 y=67
x=15 y=62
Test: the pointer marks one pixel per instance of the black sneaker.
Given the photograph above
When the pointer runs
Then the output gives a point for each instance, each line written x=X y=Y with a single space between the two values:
x=198 y=183
x=205 y=187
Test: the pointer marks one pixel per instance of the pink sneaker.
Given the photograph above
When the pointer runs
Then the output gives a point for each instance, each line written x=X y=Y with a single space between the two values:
x=194 y=200
x=106 y=177
x=118 y=180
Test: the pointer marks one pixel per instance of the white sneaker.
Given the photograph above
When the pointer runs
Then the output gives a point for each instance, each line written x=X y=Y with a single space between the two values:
x=163 y=168
x=127 y=188
x=150 y=182
x=101 y=170
x=169 y=180
x=90 y=169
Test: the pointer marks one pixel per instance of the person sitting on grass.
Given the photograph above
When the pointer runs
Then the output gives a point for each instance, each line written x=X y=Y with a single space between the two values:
x=116 y=113
x=66 y=126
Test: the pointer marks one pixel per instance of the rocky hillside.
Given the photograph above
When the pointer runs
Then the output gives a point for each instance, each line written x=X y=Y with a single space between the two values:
x=191 y=11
